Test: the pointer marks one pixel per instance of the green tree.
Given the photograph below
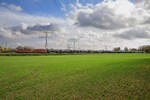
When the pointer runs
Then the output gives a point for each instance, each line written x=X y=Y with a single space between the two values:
x=2 y=49
x=133 y=49
x=19 y=47
x=145 y=48
x=126 y=49
x=27 y=47
x=117 y=49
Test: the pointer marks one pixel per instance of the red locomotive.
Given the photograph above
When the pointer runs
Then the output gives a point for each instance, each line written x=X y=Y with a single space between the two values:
x=31 y=51
x=39 y=51
x=24 y=51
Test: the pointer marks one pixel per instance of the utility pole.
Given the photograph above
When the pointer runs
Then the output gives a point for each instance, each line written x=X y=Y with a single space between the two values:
x=106 y=47
x=74 y=44
x=5 y=47
x=78 y=45
x=46 y=40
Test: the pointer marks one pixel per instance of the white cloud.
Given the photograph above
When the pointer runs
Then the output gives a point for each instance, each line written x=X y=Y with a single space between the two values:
x=109 y=24
x=110 y=15
x=14 y=7
x=63 y=6
x=135 y=33
x=11 y=6
x=143 y=3
x=9 y=18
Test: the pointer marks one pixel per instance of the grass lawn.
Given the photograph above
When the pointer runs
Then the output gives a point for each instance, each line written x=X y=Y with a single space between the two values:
x=75 y=77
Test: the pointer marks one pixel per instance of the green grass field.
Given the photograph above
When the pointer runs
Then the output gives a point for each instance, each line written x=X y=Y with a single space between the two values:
x=75 y=77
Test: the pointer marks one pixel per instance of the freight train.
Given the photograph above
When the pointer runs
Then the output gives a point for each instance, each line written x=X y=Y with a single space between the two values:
x=71 y=51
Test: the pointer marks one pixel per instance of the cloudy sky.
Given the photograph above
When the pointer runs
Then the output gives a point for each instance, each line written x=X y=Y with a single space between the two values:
x=92 y=24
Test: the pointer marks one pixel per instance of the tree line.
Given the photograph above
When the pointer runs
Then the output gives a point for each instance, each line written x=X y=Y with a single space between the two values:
x=145 y=48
